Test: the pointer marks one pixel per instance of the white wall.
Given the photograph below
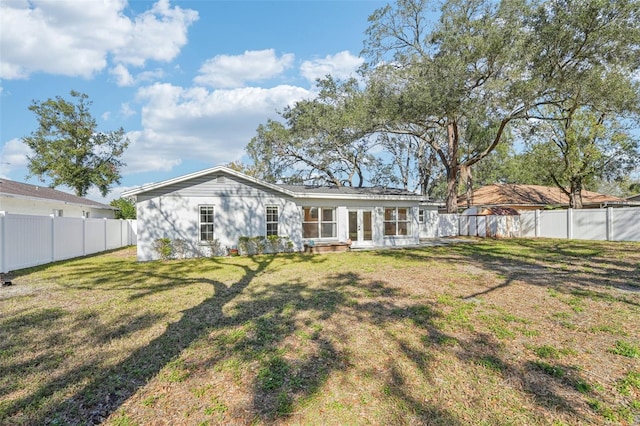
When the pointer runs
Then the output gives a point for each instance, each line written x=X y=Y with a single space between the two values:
x=177 y=217
x=29 y=240
x=44 y=207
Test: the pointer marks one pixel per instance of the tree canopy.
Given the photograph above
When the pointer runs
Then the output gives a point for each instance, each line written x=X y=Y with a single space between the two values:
x=127 y=208
x=68 y=148
x=436 y=97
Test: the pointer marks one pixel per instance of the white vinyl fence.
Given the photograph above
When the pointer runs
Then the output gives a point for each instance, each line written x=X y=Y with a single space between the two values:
x=27 y=240
x=612 y=224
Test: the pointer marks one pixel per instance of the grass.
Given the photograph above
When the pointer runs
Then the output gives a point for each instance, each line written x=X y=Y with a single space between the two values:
x=491 y=332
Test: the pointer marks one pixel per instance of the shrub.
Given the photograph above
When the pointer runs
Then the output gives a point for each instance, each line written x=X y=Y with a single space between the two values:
x=215 y=248
x=180 y=248
x=163 y=247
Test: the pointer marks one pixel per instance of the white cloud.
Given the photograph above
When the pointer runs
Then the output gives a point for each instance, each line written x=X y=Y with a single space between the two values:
x=125 y=79
x=74 y=38
x=126 y=110
x=226 y=71
x=340 y=65
x=181 y=124
x=157 y=34
x=122 y=75
x=13 y=156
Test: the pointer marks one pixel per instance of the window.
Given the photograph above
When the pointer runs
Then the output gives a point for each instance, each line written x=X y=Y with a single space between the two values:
x=57 y=212
x=206 y=223
x=319 y=222
x=272 y=220
x=421 y=215
x=396 y=221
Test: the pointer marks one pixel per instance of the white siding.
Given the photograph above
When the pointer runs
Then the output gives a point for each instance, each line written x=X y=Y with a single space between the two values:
x=176 y=216
x=43 y=207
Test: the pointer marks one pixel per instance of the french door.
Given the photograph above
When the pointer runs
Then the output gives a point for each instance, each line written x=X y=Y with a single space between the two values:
x=360 y=227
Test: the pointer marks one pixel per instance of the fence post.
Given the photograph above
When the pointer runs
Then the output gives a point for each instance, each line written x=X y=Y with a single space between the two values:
x=105 y=233
x=609 y=223
x=3 y=238
x=569 y=223
x=536 y=224
x=53 y=238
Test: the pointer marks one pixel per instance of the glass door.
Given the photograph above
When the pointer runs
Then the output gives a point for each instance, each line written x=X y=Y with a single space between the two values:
x=360 y=227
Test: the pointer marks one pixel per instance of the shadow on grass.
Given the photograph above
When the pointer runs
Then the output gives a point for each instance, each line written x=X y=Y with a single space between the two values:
x=586 y=267
x=265 y=317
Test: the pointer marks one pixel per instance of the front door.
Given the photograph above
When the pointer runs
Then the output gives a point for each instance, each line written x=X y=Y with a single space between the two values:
x=360 y=227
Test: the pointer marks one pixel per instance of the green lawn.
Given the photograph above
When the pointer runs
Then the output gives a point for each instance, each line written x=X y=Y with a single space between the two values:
x=525 y=332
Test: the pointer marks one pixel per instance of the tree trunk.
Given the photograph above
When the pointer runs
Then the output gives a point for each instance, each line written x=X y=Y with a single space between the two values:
x=465 y=176
x=575 y=196
x=452 y=168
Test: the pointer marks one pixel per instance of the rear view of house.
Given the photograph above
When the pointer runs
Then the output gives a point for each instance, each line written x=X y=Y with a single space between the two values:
x=222 y=205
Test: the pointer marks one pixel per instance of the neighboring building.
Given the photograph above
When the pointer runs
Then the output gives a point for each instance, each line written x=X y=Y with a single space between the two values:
x=634 y=199
x=24 y=198
x=223 y=205
x=533 y=197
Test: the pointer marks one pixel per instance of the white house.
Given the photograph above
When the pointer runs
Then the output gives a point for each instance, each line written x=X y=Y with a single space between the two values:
x=23 y=198
x=223 y=205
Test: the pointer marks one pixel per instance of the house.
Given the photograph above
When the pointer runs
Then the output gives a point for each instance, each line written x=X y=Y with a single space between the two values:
x=23 y=198
x=635 y=199
x=221 y=205
x=533 y=197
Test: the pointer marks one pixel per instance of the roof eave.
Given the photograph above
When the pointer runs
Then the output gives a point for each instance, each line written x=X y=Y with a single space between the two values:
x=51 y=200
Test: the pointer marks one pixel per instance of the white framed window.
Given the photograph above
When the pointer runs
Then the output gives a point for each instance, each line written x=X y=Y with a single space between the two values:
x=272 y=220
x=396 y=221
x=421 y=215
x=206 y=223
x=319 y=222
x=57 y=212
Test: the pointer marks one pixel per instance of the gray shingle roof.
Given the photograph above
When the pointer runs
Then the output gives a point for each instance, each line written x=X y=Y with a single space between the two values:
x=346 y=190
x=10 y=187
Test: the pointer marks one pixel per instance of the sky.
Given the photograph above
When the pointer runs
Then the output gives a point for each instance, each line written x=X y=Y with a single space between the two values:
x=189 y=81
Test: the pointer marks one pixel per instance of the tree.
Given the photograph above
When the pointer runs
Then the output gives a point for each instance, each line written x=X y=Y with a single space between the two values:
x=127 y=208
x=322 y=141
x=442 y=84
x=68 y=148
x=586 y=63
x=582 y=148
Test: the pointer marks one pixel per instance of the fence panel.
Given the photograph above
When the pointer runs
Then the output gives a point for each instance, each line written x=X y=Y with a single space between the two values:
x=448 y=225
x=590 y=224
x=28 y=241
x=94 y=236
x=528 y=224
x=625 y=224
x=113 y=234
x=553 y=224
x=67 y=238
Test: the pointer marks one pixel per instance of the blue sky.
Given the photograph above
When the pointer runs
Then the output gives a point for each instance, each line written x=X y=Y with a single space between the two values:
x=189 y=81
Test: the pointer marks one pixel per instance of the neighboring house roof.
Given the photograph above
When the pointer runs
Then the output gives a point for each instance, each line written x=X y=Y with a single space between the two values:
x=634 y=198
x=516 y=195
x=294 y=191
x=14 y=189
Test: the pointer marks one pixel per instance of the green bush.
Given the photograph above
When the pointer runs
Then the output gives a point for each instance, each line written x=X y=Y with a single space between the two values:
x=163 y=247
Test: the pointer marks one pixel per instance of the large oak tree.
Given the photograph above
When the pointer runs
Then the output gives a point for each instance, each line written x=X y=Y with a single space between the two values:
x=68 y=148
